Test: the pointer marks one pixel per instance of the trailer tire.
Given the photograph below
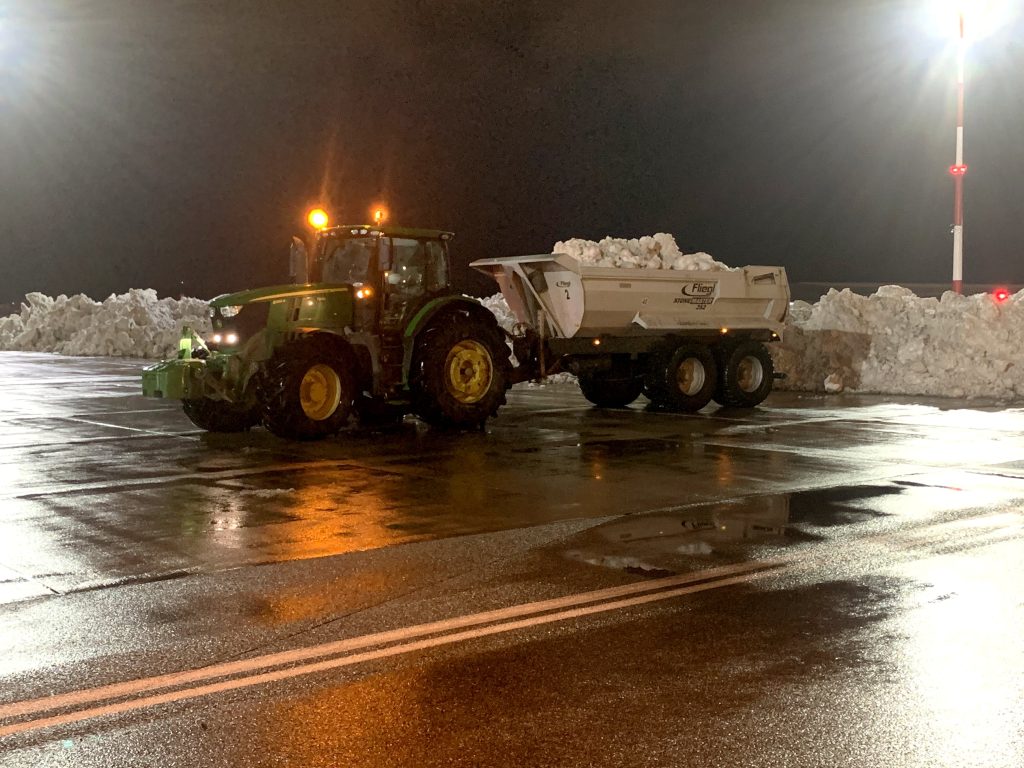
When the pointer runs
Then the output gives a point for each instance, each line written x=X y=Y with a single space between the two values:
x=220 y=415
x=689 y=379
x=745 y=374
x=306 y=389
x=606 y=390
x=460 y=371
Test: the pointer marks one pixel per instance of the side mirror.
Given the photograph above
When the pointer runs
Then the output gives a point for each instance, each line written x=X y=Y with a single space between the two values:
x=298 y=271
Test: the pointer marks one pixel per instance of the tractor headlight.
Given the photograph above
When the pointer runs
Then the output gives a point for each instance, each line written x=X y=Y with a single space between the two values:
x=228 y=339
x=230 y=311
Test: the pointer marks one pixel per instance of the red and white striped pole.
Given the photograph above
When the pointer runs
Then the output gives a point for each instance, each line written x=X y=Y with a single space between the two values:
x=959 y=169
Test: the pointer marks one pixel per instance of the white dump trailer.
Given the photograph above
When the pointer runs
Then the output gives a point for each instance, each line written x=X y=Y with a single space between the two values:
x=681 y=337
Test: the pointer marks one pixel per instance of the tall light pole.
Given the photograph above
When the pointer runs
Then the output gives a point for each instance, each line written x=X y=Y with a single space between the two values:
x=959 y=169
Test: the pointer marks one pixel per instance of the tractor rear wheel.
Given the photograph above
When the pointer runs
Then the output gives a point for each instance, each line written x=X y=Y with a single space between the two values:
x=306 y=389
x=460 y=372
x=220 y=415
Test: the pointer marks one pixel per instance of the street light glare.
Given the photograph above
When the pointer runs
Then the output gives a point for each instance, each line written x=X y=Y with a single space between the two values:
x=981 y=18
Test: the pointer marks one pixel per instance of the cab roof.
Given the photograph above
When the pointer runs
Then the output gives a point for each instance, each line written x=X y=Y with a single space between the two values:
x=389 y=231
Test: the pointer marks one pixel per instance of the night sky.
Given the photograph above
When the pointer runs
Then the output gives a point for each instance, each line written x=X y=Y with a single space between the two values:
x=177 y=145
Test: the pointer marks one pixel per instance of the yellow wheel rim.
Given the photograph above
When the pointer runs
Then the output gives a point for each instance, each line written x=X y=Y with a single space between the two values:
x=469 y=371
x=320 y=392
x=690 y=376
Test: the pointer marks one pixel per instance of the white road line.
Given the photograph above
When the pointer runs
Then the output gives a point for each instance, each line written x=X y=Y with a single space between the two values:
x=95 y=423
x=343 y=646
x=57 y=489
x=338 y=464
x=393 y=650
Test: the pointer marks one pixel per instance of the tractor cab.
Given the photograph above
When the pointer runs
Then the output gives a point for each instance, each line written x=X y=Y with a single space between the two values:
x=394 y=270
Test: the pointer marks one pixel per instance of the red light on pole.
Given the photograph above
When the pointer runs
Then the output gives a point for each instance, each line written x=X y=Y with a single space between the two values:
x=958 y=170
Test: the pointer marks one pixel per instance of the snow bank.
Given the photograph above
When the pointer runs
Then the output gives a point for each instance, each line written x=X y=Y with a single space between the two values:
x=649 y=252
x=894 y=342
x=133 y=324
x=891 y=342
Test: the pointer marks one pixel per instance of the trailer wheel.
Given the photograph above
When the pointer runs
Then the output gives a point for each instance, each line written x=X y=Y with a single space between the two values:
x=608 y=389
x=689 y=379
x=220 y=415
x=745 y=375
x=306 y=389
x=460 y=372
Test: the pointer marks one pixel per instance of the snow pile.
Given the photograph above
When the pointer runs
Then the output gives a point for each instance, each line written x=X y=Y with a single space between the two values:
x=649 y=252
x=133 y=324
x=891 y=342
x=500 y=309
x=895 y=342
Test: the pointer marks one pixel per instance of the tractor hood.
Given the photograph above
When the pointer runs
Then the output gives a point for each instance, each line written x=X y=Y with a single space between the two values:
x=272 y=292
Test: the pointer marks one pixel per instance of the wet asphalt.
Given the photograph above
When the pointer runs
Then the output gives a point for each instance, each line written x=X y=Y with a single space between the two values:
x=822 y=581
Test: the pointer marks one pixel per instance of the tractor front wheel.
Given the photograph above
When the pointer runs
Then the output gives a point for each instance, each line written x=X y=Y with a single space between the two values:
x=307 y=389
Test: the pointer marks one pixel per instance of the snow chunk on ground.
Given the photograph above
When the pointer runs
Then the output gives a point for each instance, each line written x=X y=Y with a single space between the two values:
x=133 y=324
x=649 y=252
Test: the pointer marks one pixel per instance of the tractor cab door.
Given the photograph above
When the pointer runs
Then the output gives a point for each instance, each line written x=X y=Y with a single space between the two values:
x=418 y=270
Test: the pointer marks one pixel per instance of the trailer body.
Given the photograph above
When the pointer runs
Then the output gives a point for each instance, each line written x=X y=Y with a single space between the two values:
x=645 y=330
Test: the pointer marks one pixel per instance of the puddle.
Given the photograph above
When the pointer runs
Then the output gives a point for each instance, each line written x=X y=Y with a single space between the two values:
x=679 y=539
x=842 y=505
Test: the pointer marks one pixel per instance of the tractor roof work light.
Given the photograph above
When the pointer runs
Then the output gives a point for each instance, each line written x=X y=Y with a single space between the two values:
x=380 y=215
x=318 y=218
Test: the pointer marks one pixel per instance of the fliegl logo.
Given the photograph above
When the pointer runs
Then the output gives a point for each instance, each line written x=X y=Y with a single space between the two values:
x=700 y=294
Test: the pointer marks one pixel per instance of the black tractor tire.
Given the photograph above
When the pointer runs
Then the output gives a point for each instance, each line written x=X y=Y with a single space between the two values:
x=460 y=371
x=745 y=374
x=610 y=389
x=220 y=415
x=688 y=379
x=307 y=388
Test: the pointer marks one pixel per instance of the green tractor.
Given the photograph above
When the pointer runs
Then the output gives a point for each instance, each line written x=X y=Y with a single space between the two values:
x=376 y=331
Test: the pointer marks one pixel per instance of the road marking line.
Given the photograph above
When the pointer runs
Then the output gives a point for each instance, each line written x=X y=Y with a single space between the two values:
x=95 y=423
x=393 y=650
x=228 y=473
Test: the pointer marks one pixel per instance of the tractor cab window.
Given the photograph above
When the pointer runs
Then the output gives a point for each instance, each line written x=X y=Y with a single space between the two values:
x=417 y=267
x=437 y=266
x=408 y=267
x=349 y=260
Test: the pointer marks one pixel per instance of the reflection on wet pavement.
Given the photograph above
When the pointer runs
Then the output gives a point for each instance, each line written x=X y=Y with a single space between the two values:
x=101 y=486
x=680 y=539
